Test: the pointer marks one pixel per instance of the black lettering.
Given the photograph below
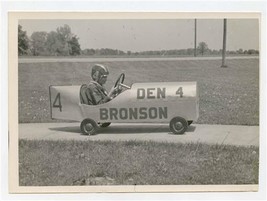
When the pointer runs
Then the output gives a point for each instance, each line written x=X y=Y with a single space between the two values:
x=59 y=102
x=150 y=93
x=123 y=113
x=180 y=92
x=153 y=113
x=103 y=113
x=143 y=113
x=133 y=113
x=163 y=113
x=161 y=92
x=113 y=113
x=140 y=93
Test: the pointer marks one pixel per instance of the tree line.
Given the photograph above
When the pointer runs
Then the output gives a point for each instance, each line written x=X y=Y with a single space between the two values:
x=63 y=42
x=55 y=43
x=183 y=52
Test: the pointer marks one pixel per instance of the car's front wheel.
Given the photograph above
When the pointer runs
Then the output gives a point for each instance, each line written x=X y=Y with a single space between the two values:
x=178 y=125
x=89 y=127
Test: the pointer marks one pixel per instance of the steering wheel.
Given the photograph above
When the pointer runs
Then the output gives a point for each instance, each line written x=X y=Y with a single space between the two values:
x=120 y=80
x=118 y=86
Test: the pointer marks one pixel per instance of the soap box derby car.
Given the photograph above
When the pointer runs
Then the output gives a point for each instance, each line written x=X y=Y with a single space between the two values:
x=175 y=103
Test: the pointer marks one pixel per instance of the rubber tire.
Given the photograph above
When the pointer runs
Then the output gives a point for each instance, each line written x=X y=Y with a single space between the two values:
x=94 y=125
x=180 y=120
x=104 y=125
x=189 y=122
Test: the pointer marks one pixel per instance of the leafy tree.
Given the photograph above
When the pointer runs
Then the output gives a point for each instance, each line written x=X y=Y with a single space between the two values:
x=53 y=45
x=63 y=42
x=251 y=51
x=215 y=52
x=75 y=46
x=64 y=36
x=120 y=52
x=23 y=41
x=89 y=52
x=39 y=43
x=240 y=51
x=190 y=51
x=202 y=47
x=108 y=51
x=64 y=33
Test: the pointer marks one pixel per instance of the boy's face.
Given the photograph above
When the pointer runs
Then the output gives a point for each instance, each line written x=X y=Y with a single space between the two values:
x=102 y=80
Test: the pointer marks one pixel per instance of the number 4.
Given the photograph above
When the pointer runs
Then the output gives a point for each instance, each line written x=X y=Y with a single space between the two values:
x=180 y=92
x=55 y=104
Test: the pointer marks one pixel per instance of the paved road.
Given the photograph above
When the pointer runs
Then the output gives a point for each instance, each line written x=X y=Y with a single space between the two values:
x=40 y=60
x=211 y=134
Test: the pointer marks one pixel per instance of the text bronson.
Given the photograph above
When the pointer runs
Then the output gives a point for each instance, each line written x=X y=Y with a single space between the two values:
x=133 y=113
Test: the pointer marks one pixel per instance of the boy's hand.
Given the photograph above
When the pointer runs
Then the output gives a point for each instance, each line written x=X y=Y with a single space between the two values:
x=114 y=92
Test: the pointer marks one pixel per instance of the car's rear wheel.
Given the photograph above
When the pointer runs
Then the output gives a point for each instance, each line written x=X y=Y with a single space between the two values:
x=104 y=125
x=178 y=125
x=89 y=127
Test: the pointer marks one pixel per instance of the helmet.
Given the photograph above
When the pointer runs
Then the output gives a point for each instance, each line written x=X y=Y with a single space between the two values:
x=99 y=70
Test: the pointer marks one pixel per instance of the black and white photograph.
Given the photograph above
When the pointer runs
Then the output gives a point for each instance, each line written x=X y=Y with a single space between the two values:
x=135 y=102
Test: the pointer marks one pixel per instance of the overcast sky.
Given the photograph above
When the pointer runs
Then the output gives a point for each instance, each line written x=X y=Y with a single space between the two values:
x=140 y=35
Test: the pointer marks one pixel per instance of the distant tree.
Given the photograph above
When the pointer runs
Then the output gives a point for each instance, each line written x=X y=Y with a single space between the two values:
x=92 y=51
x=75 y=46
x=214 y=52
x=23 y=41
x=108 y=51
x=172 y=52
x=190 y=51
x=120 y=52
x=129 y=52
x=62 y=42
x=231 y=52
x=240 y=51
x=39 y=43
x=64 y=33
x=202 y=48
x=251 y=51
x=89 y=52
x=64 y=36
x=53 y=45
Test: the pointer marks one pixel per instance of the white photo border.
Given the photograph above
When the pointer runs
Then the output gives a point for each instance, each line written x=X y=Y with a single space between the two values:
x=5 y=148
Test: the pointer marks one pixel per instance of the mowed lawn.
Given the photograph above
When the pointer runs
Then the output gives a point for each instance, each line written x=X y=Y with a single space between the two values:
x=227 y=95
x=60 y=163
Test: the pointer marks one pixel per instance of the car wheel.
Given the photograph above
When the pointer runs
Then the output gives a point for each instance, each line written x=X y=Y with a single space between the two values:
x=104 y=125
x=178 y=125
x=89 y=127
x=189 y=122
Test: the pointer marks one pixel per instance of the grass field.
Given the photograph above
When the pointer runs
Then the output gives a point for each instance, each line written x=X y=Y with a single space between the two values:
x=60 y=163
x=227 y=95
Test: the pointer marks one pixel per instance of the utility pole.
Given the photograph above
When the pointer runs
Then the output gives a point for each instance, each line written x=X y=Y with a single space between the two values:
x=224 y=43
x=195 y=50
